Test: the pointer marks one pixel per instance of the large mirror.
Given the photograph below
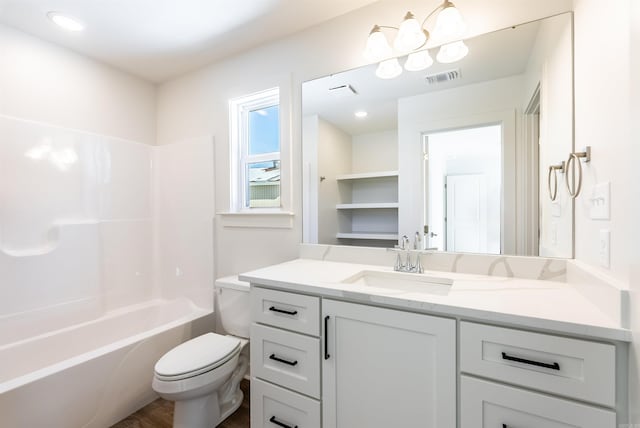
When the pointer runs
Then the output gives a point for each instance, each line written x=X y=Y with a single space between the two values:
x=465 y=156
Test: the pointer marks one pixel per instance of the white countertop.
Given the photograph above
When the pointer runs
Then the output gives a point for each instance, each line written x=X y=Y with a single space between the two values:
x=532 y=304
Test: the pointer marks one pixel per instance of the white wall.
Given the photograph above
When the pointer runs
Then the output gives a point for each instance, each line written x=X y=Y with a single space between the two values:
x=334 y=158
x=374 y=152
x=634 y=197
x=196 y=104
x=43 y=82
x=602 y=121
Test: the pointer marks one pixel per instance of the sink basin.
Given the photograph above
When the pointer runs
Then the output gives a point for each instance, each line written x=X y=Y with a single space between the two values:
x=400 y=281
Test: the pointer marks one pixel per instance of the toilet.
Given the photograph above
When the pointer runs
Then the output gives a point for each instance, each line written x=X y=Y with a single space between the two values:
x=203 y=374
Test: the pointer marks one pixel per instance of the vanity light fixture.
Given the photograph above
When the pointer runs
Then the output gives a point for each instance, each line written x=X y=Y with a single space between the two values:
x=412 y=38
x=65 y=22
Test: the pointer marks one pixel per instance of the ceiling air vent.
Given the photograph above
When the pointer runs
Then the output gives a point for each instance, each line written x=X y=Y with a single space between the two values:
x=342 y=91
x=444 y=76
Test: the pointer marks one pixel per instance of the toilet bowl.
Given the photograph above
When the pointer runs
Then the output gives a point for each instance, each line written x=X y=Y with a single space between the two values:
x=203 y=374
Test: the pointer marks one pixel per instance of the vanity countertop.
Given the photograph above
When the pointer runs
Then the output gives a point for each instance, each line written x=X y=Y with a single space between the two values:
x=542 y=305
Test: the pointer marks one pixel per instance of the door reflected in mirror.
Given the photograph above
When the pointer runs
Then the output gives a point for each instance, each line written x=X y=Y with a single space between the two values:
x=456 y=155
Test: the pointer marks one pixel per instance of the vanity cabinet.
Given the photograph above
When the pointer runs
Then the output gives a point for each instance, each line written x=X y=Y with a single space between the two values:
x=385 y=368
x=572 y=368
x=321 y=362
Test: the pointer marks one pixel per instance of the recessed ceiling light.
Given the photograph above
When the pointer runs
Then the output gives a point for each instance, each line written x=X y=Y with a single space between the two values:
x=65 y=22
x=361 y=114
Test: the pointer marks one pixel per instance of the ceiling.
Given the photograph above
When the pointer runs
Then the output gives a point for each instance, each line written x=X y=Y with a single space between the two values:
x=491 y=56
x=160 y=39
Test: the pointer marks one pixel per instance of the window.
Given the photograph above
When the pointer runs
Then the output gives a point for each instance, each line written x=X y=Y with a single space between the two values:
x=255 y=147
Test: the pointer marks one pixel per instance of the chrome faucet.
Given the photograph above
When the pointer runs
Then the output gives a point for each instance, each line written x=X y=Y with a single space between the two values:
x=408 y=266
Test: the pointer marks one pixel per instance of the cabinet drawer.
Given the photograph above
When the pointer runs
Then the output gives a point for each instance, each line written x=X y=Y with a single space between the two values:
x=273 y=407
x=487 y=404
x=288 y=359
x=286 y=310
x=574 y=368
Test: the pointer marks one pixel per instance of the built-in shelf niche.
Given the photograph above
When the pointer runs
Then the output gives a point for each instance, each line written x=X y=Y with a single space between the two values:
x=369 y=207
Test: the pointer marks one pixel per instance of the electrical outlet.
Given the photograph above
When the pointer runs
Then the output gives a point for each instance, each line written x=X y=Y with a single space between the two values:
x=605 y=248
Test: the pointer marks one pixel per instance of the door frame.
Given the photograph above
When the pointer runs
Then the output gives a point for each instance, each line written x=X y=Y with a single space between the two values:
x=413 y=207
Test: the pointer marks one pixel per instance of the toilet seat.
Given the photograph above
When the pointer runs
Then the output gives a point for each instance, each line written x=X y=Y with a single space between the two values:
x=197 y=356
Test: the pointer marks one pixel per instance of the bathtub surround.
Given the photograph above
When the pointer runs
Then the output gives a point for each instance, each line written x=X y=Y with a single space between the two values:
x=106 y=265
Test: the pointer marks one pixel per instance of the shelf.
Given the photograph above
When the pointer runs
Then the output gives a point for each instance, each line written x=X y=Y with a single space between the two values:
x=378 y=236
x=366 y=175
x=372 y=205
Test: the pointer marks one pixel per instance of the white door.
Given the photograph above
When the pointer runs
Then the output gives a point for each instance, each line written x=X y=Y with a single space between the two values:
x=384 y=368
x=466 y=214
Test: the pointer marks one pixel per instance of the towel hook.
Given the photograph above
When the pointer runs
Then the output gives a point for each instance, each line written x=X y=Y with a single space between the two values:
x=572 y=187
x=553 y=172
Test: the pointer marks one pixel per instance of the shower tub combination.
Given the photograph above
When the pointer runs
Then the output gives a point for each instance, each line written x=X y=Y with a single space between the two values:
x=95 y=373
x=105 y=265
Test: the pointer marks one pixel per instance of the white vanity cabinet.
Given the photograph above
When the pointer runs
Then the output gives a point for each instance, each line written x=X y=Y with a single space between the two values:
x=534 y=365
x=321 y=362
x=386 y=368
x=380 y=367
x=285 y=359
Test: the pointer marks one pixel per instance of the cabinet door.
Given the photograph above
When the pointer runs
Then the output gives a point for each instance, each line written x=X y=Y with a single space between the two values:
x=487 y=404
x=385 y=368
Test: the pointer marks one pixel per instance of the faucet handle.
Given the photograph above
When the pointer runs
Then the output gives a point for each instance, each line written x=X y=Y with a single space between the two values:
x=405 y=242
x=416 y=241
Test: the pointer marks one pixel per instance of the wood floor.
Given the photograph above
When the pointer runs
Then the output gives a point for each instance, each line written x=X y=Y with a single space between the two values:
x=159 y=414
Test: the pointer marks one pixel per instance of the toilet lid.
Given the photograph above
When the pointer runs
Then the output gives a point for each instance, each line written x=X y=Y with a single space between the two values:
x=202 y=352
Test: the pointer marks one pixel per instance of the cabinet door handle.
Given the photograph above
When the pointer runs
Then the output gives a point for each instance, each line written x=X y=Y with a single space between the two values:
x=554 y=366
x=281 y=360
x=274 y=421
x=326 y=337
x=282 y=311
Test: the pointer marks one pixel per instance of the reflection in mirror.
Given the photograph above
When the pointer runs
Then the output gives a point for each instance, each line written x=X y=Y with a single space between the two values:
x=458 y=153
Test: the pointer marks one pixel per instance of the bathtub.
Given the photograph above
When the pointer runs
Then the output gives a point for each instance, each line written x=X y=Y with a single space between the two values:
x=95 y=373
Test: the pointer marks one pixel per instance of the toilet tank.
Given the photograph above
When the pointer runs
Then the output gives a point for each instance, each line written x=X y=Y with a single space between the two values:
x=233 y=304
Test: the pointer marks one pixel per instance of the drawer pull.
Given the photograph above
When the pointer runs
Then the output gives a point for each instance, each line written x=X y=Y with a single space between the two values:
x=326 y=338
x=274 y=421
x=554 y=366
x=280 y=360
x=282 y=311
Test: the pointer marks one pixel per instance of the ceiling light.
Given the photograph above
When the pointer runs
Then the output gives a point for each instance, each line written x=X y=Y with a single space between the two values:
x=411 y=36
x=449 y=25
x=377 y=45
x=389 y=69
x=361 y=114
x=417 y=61
x=65 y=22
x=452 y=52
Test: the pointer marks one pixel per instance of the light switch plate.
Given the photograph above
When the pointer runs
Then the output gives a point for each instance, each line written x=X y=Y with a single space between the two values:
x=605 y=248
x=600 y=201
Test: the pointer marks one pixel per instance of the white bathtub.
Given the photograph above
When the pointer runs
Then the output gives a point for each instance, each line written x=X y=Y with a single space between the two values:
x=91 y=374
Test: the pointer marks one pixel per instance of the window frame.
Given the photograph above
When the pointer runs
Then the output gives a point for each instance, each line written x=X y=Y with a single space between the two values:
x=239 y=109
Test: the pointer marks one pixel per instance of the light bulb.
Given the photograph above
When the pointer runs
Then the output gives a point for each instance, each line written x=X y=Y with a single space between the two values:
x=418 y=61
x=449 y=25
x=361 y=114
x=452 y=52
x=377 y=46
x=410 y=35
x=389 y=69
